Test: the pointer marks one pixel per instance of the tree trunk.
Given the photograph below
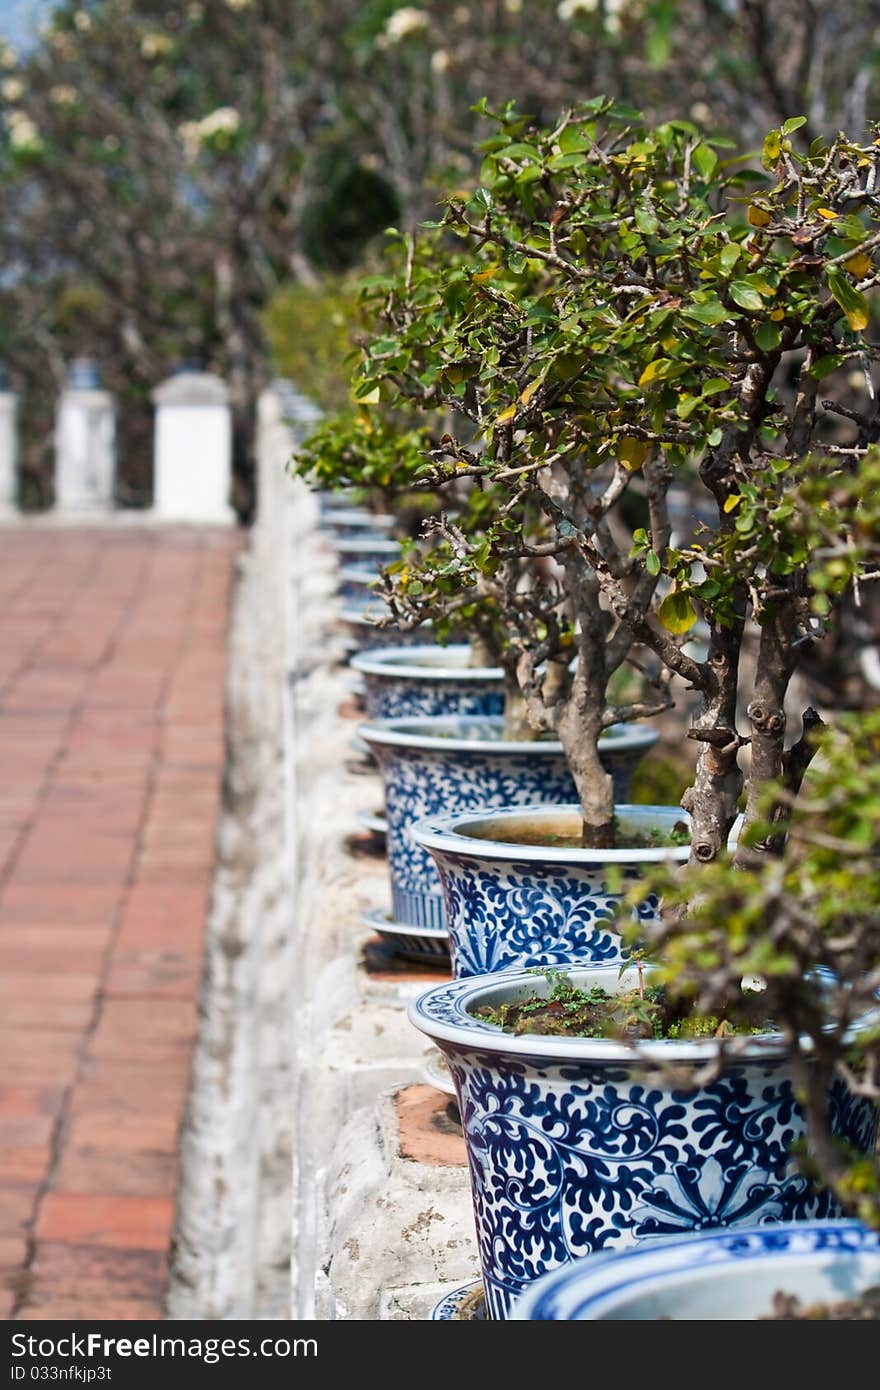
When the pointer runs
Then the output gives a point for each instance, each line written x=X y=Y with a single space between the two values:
x=713 y=799
x=579 y=718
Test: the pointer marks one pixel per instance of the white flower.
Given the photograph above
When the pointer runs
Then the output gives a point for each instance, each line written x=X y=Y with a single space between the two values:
x=239 y=4
x=83 y=21
x=224 y=121
x=8 y=56
x=23 y=133
x=404 y=22
x=154 y=45
x=12 y=88
x=63 y=95
x=110 y=142
x=755 y=984
x=613 y=11
x=440 y=61
x=570 y=9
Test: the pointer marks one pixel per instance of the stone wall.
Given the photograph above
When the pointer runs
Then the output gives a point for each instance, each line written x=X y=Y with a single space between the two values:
x=324 y=1176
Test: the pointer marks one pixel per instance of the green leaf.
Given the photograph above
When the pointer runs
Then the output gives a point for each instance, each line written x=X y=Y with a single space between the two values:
x=824 y=366
x=714 y=385
x=712 y=312
x=852 y=301
x=729 y=256
x=646 y=221
x=768 y=337
x=652 y=562
x=677 y=613
x=518 y=151
x=761 y=284
x=704 y=160
x=746 y=297
x=686 y=407
x=367 y=392
x=572 y=139
x=565 y=161
x=792 y=124
x=662 y=369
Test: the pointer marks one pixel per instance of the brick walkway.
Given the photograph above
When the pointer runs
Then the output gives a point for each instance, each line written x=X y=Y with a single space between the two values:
x=112 y=666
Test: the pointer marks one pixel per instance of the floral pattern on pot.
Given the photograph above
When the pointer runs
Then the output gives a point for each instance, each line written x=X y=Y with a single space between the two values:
x=551 y=908
x=510 y=917
x=577 y=1146
x=433 y=680
x=422 y=781
x=431 y=766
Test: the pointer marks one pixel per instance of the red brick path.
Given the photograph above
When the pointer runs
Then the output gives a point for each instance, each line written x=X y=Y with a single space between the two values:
x=112 y=666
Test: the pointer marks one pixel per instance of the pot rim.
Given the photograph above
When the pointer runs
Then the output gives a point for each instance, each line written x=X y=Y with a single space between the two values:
x=448 y=833
x=366 y=545
x=354 y=516
x=364 y=574
x=368 y=616
x=403 y=663
x=381 y=919
x=441 y=1012
x=586 y=1284
x=405 y=732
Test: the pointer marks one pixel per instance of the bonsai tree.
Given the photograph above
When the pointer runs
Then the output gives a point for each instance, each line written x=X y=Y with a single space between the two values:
x=370 y=457
x=615 y=310
x=803 y=929
x=446 y=574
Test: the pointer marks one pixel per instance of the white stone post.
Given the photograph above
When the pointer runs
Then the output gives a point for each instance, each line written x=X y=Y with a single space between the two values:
x=85 y=442
x=192 y=473
x=8 y=447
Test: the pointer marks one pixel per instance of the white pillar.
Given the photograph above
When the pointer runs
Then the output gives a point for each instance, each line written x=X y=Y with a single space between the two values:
x=8 y=448
x=192 y=471
x=85 y=442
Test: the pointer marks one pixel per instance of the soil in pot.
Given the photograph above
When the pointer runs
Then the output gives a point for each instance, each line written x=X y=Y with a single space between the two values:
x=559 y=835
x=787 y=1307
x=631 y=1014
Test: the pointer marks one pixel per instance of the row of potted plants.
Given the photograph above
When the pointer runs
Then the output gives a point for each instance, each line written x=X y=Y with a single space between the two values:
x=616 y=310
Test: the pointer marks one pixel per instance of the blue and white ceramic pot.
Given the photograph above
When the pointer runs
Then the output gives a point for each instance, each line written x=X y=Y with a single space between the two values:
x=373 y=551
x=578 y=1146
x=427 y=680
x=360 y=625
x=330 y=502
x=511 y=903
x=356 y=521
x=720 y=1275
x=357 y=584
x=433 y=765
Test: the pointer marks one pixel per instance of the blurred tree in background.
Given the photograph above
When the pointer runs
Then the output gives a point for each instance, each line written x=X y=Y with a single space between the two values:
x=191 y=180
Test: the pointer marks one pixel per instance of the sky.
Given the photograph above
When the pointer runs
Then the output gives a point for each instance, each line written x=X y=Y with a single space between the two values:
x=18 y=19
